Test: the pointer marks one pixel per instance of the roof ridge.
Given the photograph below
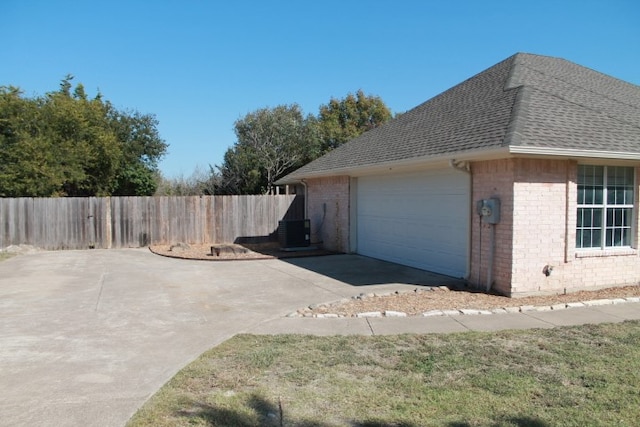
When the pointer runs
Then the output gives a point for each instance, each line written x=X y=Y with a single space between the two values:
x=602 y=94
x=513 y=79
x=518 y=119
x=519 y=110
x=618 y=119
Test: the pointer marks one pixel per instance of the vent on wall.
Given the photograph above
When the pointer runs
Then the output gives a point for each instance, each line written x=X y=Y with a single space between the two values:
x=294 y=233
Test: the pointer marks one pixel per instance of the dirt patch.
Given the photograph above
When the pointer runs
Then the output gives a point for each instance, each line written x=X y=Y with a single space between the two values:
x=234 y=252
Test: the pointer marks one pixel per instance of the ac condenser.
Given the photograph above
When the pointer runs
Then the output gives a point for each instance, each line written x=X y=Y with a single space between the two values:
x=294 y=233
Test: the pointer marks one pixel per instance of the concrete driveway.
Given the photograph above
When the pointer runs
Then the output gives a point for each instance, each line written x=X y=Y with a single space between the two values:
x=86 y=337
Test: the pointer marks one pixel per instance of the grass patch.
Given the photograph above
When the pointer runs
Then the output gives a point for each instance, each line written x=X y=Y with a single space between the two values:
x=5 y=255
x=577 y=376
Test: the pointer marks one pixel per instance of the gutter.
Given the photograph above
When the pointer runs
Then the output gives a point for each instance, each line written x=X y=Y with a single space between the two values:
x=571 y=152
x=306 y=198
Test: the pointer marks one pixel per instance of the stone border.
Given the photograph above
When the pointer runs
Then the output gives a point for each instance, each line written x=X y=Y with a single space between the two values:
x=307 y=311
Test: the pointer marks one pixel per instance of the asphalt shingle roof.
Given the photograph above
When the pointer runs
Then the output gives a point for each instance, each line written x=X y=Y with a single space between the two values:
x=525 y=101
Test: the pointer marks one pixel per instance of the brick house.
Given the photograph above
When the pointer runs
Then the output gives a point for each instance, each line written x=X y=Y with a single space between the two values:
x=551 y=147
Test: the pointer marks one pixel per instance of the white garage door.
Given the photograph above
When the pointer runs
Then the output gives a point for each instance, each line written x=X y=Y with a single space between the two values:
x=419 y=219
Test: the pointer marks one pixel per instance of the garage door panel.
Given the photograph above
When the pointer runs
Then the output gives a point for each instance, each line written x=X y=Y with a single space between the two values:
x=420 y=220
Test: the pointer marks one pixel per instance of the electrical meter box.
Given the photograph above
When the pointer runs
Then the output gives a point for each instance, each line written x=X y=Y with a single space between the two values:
x=489 y=210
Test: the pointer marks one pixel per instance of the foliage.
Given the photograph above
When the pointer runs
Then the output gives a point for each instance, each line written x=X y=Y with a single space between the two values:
x=240 y=172
x=64 y=144
x=272 y=142
x=344 y=119
x=572 y=376
x=142 y=148
x=199 y=183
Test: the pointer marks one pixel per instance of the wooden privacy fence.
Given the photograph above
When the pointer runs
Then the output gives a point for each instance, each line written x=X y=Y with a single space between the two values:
x=120 y=222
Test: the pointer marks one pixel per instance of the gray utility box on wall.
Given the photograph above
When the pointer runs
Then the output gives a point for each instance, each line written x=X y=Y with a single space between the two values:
x=294 y=233
x=489 y=210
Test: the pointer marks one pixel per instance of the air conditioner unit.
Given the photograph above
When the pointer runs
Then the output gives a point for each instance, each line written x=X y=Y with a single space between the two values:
x=294 y=233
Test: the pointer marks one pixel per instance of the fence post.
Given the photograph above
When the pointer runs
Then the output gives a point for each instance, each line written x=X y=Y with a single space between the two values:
x=107 y=225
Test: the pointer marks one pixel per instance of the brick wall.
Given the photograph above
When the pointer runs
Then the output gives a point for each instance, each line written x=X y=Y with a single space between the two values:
x=328 y=210
x=537 y=229
x=492 y=179
x=544 y=222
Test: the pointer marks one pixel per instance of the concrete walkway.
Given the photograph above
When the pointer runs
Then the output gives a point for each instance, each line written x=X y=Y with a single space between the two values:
x=86 y=337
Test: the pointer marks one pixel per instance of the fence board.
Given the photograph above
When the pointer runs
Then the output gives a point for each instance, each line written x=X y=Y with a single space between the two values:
x=118 y=222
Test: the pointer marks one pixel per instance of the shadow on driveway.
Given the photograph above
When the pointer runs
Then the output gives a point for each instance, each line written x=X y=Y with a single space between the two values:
x=358 y=270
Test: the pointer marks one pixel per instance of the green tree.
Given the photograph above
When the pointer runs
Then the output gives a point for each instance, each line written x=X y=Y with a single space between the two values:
x=271 y=142
x=344 y=119
x=27 y=163
x=88 y=154
x=240 y=172
x=65 y=144
x=142 y=149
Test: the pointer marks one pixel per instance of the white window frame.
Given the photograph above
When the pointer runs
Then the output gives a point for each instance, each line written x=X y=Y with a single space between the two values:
x=604 y=208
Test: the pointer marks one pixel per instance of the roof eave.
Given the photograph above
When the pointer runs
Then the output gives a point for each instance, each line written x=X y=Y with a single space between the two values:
x=399 y=165
x=472 y=155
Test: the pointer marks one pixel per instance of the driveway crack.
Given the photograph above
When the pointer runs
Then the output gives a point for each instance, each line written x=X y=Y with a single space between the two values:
x=101 y=285
x=370 y=327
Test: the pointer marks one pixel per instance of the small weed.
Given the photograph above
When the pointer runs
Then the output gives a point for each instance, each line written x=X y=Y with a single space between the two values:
x=417 y=361
x=6 y=255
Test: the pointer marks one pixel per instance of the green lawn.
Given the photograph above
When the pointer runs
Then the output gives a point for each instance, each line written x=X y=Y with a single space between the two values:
x=578 y=376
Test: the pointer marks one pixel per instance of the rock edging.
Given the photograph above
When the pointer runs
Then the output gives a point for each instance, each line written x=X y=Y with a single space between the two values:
x=309 y=311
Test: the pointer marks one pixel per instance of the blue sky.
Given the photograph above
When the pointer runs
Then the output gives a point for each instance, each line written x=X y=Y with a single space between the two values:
x=201 y=65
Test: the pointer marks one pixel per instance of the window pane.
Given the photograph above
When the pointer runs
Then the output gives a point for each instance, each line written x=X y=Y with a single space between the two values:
x=619 y=185
x=589 y=238
x=627 y=216
x=590 y=184
x=619 y=195
x=617 y=237
x=618 y=232
x=596 y=238
x=628 y=195
x=618 y=217
x=579 y=220
x=619 y=175
x=596 y=215
x=598 y=195
x=593 y=195
x=584 y=239
x=590 y=175
x=589 y=217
